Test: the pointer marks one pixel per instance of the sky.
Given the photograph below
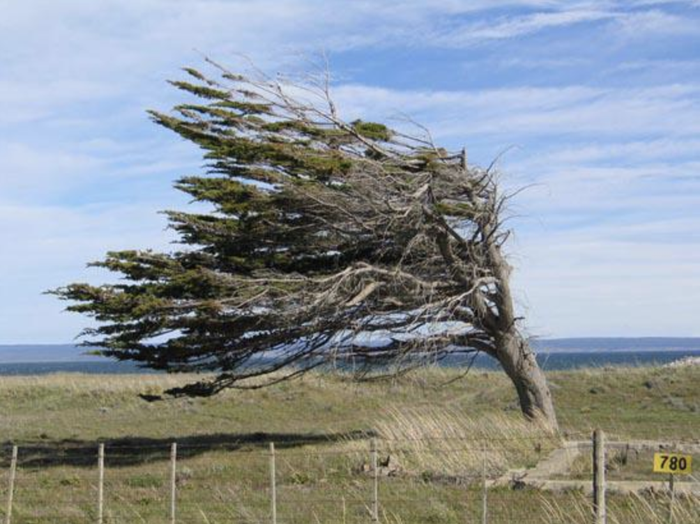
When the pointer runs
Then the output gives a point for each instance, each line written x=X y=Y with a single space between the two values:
x=592 y=106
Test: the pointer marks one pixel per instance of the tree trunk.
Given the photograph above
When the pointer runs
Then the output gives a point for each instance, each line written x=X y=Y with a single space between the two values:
x=514 y=352
x=519 y=363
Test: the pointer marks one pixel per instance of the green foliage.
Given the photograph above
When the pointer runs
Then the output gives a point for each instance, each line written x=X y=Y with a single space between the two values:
x=145 y=480
x=455 y=209
x=296 y=198
x=201 y=91
x=372 y=130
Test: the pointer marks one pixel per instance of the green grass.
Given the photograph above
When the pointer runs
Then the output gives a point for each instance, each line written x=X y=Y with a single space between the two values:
x=438 y=440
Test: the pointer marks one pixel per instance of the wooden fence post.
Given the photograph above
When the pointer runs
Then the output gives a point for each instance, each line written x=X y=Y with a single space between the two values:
x=273 y=484
x=11 y=486
x=173 y=481
x=599 y=477
x=484 y=490
x=100 y=482
x=672 y=498
x=375 y=482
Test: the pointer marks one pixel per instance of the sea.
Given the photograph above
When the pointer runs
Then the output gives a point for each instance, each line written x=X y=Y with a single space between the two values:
x=552 y=354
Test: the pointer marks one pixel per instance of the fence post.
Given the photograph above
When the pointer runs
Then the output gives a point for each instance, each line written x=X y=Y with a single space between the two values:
x=672 y=498
x=484 y=491
x=273 y=484
x=599 y=477
x=375 y=482
x=173 y=480
x=100 y=482
x=11 y=485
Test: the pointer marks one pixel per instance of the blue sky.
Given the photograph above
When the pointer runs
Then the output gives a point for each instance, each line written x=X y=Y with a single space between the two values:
x=598 y=101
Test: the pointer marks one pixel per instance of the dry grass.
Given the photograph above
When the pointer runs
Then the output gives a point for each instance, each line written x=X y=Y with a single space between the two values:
x=443 y=441
x=78 y=383
x=323 y=425
x=649 y=508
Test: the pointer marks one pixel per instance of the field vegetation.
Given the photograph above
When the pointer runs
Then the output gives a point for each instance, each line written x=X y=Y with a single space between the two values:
x=435 y=438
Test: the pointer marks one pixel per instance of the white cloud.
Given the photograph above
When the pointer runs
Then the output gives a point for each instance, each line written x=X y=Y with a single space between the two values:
x=36 y=173
x=592 y=281
x=655 y=22
x=471 y=34
x=26 y=101
x=26 y=169
x=672 y=110
x=48 y=246
x=78 y=74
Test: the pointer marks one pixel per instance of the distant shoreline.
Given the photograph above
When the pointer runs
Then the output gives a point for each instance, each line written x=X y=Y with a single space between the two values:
x=549 y=360
x=71 y=353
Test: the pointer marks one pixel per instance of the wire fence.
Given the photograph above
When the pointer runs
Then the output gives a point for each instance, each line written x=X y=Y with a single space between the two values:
x=532 y=479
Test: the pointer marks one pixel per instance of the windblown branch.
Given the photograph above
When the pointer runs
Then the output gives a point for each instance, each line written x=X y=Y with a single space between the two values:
x=332 y=241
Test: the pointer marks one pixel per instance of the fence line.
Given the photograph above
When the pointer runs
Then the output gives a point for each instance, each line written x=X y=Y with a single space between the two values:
x=100 y=482
x=375 y=482
x=273 y=484
x=11 y=485
x=371 y=502
x=484 y=490
x=599 y=486
x=173 y=481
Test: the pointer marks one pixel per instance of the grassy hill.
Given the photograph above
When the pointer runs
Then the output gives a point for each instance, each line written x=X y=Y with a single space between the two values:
x=438 y=434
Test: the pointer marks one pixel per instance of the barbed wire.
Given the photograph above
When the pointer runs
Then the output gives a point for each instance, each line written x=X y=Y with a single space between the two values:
x=67 y=477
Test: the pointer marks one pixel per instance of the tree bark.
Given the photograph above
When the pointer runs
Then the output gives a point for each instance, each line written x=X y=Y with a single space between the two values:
x=514 y=352
x=518 y=361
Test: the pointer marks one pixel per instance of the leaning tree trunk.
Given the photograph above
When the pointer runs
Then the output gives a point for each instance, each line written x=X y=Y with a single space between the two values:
x=513 y=351
x=518 y=361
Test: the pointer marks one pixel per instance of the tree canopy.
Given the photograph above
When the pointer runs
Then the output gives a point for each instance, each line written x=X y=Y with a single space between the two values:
x=326 y=240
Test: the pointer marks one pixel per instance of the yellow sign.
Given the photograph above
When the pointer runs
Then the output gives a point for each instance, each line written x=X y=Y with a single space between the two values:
x=673 y=463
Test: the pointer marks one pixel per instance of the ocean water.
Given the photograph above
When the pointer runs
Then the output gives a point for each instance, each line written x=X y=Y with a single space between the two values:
x=97 y=367
x=596 y=354
x=586 y=359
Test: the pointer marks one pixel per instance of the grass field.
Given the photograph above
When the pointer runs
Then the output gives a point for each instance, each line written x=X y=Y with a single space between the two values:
x=438 y=439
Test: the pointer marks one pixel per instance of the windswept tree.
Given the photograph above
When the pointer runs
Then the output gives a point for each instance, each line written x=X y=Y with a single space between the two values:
x=327 y=241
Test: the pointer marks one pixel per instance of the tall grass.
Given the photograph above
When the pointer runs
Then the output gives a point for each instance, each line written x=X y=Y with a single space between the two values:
x=645 y=508
x=447 y=442
x=78 y=383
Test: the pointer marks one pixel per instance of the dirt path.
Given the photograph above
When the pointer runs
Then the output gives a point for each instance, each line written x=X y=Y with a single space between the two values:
x=559 y=462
